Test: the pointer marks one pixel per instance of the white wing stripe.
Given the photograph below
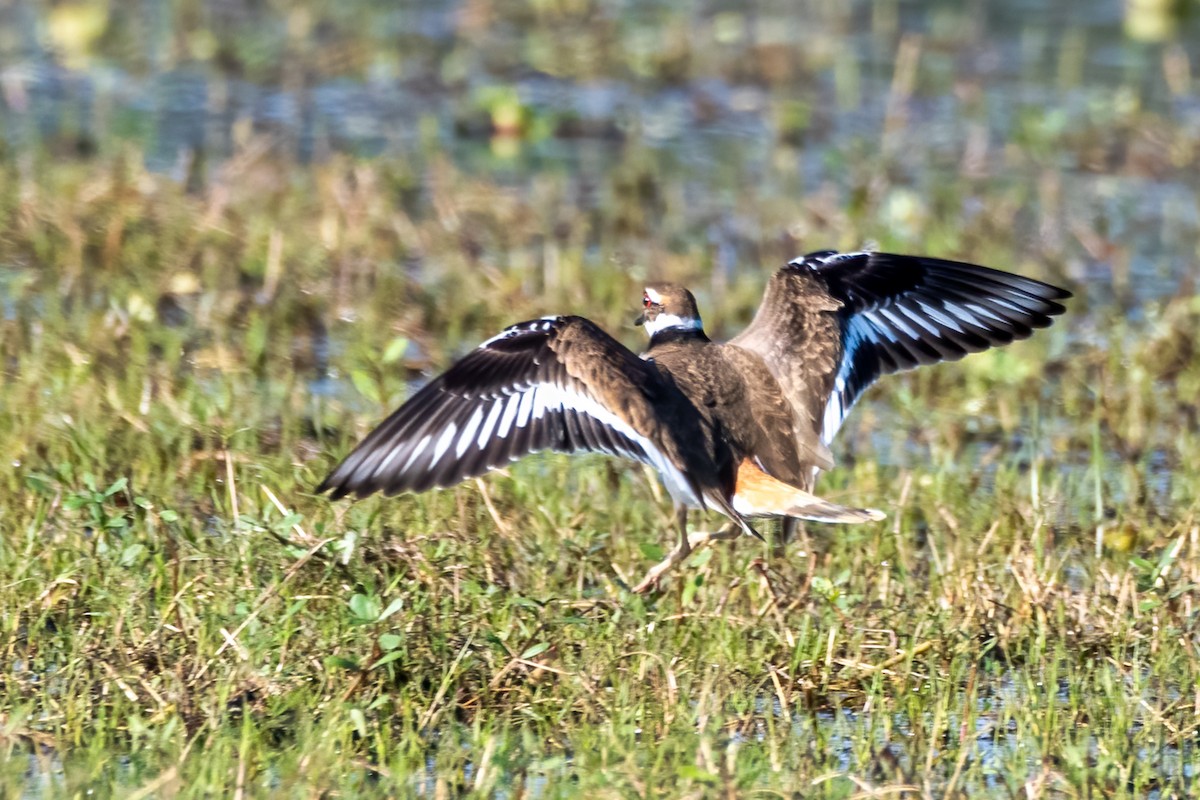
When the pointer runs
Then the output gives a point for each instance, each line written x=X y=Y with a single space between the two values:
x=858 y=330
x=937 y=316
x=962 y=314
x=541 y=394
x=896 y=320
x=877 y=327
x=387 y=459
x=444 y=441
x=468 y=433
x=911 y=315
x=984 y=311
x=834 y=416
x=675 y=481
x=485 y=431
x=510 y=412
x=527 y=400
x=420 y=448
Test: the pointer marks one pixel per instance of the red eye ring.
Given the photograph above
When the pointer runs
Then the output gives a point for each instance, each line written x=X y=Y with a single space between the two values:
x=646 y=300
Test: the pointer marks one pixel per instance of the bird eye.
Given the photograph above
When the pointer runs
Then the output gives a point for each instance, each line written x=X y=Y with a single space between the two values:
x=646 y=300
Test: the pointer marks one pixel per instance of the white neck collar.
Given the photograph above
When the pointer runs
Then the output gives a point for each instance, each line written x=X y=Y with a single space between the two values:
x=665 y=322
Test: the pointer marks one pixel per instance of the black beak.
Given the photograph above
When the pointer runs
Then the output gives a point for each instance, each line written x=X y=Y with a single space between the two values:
x=641 y=319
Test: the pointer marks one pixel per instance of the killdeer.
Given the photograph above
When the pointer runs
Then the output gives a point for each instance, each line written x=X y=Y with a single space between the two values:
x=743 y=427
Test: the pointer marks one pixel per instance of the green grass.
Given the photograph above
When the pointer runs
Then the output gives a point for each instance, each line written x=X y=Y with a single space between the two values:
x=183 y=618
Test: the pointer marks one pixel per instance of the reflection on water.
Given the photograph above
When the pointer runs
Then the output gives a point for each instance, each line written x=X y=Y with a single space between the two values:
x=786 y=100
x=1004 y=757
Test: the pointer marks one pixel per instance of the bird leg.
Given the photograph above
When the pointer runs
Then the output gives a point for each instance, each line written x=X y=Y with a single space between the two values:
x=684 y=548
x=787 y=530
x=681 y=551
x=728 y=531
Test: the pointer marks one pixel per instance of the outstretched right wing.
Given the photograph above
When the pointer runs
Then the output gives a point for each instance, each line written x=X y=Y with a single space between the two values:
x=558 y=383
x=831 y=323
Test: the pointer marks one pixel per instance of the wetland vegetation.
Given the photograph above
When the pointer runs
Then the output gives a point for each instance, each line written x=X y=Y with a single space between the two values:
x=232 y=238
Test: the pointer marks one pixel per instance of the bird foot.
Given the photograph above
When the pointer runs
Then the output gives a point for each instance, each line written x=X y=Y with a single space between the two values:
x=661 y=568
x=694 y=541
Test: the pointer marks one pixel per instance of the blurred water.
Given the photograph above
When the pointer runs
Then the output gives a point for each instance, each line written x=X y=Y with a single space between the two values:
x=783 y=97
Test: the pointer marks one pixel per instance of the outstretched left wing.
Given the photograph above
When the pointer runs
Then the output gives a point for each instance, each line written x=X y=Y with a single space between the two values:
x=559 y=383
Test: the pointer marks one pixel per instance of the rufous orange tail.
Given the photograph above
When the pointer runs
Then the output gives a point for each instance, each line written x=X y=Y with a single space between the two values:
x=757 y=494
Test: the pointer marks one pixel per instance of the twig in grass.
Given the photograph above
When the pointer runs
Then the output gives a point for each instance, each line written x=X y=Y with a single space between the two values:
x=10 y=731
x=239 y=792
x=447 y=679
x=987 y=538
x=501 y=525
x=378 y=769
x=243 y=654
x=165 y=777
x=773 y=604
x=890 y=662
x=964 y=734
x=231 y=485
x=783 y=701
x=668 y=673
x=303 y=536
x=829 y=647
x=262 y=601
x=129 y=693
x=866 y=789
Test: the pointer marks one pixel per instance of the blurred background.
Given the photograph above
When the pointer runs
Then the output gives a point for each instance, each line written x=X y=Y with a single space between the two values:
x=296 y=189
x=720 y=128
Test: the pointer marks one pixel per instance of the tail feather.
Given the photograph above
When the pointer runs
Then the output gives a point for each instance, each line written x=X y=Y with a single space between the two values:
x=726 y=508
x=757 y=494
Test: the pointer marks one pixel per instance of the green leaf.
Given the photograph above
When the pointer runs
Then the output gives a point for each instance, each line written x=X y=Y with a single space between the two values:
x=340 y=662
x=536 y=650
x=285 y=524
x=132 y=554
x=390 y=641
x=395 y=349
x=395 y=655
x=118 y=485
x=365 y=608
x=691 y=772
x=365 y=385
x=167 y=515
x=360 y=721
x=345 y=546
x=295 y=607
x=702 y=558
x=76 y=502
x=255 y=340
x=39 y=482
x=392 y=608
x=651 y=550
